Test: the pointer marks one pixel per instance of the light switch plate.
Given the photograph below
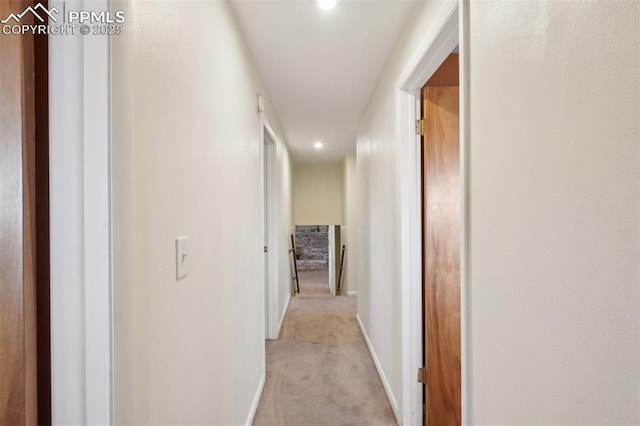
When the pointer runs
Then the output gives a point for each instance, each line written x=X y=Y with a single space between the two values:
x=182 y=257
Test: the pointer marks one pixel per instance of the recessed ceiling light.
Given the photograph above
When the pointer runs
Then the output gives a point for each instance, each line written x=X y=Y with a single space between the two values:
x=327 y=4
x=318 y=145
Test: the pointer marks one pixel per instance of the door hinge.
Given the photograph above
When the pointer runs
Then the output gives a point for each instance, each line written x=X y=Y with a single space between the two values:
x=422 y=375
x=420 y=127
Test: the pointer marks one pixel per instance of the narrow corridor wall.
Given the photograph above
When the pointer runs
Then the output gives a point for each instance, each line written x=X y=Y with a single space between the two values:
x=187 y=161
x=378 y=223
x=349 y=224
x=553 y=330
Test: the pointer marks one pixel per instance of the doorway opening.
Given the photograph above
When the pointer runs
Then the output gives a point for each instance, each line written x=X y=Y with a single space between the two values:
x=318 y=257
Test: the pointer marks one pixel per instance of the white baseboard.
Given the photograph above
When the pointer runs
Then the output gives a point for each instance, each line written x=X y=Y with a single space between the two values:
x=284 y=313
x=256 y=401
x=352 y=293
x=383 y=377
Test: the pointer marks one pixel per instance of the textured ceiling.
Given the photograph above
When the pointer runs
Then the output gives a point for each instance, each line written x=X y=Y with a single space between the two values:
x=319 y=67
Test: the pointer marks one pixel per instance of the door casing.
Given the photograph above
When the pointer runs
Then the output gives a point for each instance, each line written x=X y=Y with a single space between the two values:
x=270 y=230
x=80 y=219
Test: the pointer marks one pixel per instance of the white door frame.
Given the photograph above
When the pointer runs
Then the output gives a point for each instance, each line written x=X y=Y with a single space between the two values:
x=427 y=59
x=80 y=203
x=269 y=203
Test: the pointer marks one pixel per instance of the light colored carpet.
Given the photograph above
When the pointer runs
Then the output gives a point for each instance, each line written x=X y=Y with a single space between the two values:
x=319 y=372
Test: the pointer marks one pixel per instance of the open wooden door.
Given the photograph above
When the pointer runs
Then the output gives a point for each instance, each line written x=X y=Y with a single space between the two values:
x=441 y=246
x=18 y=371
x=24 y=225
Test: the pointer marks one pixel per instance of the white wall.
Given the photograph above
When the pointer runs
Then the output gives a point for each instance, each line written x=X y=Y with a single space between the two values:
x=187 y=161
x=554 y=212
x=349 y=224
x=317 y=193
x=553 y=302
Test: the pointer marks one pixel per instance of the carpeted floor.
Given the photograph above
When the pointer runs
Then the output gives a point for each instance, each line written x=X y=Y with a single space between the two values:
x=319 y=372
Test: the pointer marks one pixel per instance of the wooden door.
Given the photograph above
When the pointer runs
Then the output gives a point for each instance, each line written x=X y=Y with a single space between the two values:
x=18 y=314
x=441 y=247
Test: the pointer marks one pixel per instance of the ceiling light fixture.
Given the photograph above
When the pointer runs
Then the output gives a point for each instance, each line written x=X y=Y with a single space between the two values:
x=318 y=145
x=327 y=4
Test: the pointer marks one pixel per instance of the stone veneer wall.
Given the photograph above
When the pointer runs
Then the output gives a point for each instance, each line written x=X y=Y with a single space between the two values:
x=312 y=247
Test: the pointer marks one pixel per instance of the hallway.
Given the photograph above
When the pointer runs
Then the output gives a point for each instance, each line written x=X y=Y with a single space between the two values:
x=319 y=371
x=152 y=180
